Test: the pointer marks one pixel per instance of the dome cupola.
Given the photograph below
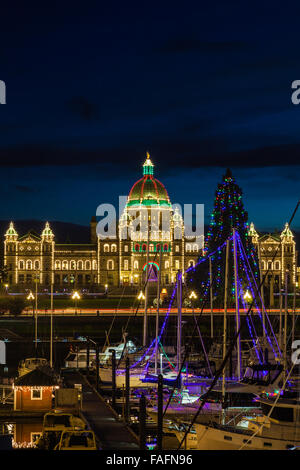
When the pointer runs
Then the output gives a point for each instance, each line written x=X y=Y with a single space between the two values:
x=148 y=191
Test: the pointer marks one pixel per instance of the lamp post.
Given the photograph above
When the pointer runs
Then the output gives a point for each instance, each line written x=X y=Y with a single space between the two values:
x=247 y=297
x=193 y=296
x=106 y=288
x=30 y=296
x=141 y=296
x=6 y=288
x=76 y=297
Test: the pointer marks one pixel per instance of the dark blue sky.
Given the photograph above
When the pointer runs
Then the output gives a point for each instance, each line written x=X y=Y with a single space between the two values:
x=92 y=86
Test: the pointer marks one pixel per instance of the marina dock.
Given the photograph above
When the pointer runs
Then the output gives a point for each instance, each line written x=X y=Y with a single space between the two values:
x=102 y=419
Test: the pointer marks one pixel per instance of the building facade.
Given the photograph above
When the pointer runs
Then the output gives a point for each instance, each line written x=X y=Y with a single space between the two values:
x=156 y=245
x=278 y=256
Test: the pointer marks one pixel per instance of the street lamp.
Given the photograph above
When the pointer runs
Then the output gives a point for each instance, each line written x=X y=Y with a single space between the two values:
x=193 y=295
x=247 y=296
x=76 y=297
x=141 y=296
x=106 y=288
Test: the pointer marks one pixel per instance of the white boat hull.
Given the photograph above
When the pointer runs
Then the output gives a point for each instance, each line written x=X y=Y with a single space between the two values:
x=210 y=438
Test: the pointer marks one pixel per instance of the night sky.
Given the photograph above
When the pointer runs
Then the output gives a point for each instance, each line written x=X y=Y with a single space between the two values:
x=91 y=86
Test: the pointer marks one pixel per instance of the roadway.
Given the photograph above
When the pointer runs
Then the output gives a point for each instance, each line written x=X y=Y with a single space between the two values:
x=130 y=311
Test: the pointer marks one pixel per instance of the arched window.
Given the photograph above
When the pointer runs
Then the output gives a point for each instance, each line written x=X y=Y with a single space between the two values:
x=144 y=248
x=94 y=265
x=167 y=264
x=177 y=264
x=277 y=265
x=65 y=265
x=57 y=264
x=29 y=264
x=270 y=265
x=72 y=265
x=166 y=247
x=113 y=248
x=106 y=248
x=137 y=247
x=188 y=247
x=263 y=265
x=158 y=247
x=21 y=264
x=136 y=265
x=195 y=247
x=151 y=247
x=37 y=264
x=110 y=265
x=87 y=265
x=191 y=262
x=126 y=264
x=80 y=264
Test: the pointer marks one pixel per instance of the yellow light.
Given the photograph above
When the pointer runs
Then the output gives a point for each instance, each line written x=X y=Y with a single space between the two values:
x=6 y=286
x=106 y=286
x=76 y=295
x=193 y=295
x=164 y=291
x=247 y=296
x=30 y=296
x=141 y=296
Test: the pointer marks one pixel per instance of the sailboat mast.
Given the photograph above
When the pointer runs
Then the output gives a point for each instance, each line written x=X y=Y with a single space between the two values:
x=36 y=292
x=157 y=311
x=51 y=321
x=179 y=306
x=211 y=299
x=285 y=324
x=237 y=312
x=225 y=332
x=146 y=290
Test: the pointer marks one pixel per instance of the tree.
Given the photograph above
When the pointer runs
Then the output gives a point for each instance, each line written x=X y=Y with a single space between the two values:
x=16 y=305
x=228 y=213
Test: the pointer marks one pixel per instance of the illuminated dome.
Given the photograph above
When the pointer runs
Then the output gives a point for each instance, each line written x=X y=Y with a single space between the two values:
x=148 y=190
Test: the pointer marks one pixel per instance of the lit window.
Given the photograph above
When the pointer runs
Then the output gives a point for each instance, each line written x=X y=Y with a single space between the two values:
x=72 y=265
x=28 y=264
x=110 y=265
x=57 y=264
x=114 y=248
x=87 y=265
x=106 y=248
x=36 y=394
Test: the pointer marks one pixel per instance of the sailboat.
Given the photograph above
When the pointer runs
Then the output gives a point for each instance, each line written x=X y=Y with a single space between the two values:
x=276 y=431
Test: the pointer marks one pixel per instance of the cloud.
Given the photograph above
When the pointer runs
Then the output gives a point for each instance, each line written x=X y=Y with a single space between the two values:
x=171 y=155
